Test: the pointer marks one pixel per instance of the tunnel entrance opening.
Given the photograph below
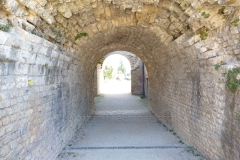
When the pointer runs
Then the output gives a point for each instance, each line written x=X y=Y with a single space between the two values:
x=115 y=75
x=118 y=76
x=121 y=72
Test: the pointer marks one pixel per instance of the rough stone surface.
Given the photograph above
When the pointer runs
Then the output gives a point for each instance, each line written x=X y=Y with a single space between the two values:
x=137 y=78
x=38 y=119
x=184 y=88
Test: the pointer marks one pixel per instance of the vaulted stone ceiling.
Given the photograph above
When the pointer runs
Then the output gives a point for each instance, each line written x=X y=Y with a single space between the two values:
x=167 y=18
x=143 y=27
x=134 y=25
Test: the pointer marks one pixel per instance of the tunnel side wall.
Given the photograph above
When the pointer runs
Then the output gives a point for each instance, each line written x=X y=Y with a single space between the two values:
x=191 y=96
x=43 y=97
x=137 y=80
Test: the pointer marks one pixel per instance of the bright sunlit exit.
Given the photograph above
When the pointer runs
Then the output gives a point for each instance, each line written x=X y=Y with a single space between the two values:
x=116 y=75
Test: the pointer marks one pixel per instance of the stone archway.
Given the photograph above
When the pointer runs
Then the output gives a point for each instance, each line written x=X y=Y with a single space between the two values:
x=138 y=73
x=46 y=68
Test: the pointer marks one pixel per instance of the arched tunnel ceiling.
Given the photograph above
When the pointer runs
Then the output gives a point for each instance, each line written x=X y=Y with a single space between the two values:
x=132 y=39
x=167 y=18
x=143 y=27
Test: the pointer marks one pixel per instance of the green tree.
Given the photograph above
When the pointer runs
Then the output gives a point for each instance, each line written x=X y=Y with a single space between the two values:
x=121 y=68
x=108 y=72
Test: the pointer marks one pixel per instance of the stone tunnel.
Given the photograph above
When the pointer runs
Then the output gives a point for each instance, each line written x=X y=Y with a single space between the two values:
x=49 y=50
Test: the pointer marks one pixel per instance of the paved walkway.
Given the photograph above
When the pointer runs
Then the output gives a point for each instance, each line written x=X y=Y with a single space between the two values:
x=123 y=128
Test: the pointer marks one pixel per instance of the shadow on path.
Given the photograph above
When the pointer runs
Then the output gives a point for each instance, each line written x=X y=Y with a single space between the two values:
x=124 y=128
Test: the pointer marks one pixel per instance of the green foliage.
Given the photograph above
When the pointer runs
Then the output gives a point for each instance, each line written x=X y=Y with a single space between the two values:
x=197 y=155
x=81 y=35
x=200 y=9
x=108 y=72
x=218 y=65
x=38 y=33
x=221 y=11
x=232 y=81
x=30 y=82
x=46 y=65
x=5 y=27
x=121 y=68
x=181 y=142
x=70 y=153
x=193 y=151
x=190 y=149
x=100 y=95
x=203 y=34
x=57 y=33
x=235 y=22
x=100 y=61
x=205 y=15
x=144 y=101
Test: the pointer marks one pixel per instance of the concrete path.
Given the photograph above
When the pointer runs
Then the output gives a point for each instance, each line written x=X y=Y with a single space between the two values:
x=123 y=128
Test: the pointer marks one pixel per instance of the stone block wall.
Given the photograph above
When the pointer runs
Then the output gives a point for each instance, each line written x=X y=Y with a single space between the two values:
x=97 y=79
x=42 y=97
x=137 y=79
x=145 y=81
x=192 y=97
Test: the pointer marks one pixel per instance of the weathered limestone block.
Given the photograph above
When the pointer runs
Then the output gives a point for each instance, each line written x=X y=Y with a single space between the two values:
x=108 y=1
x=51 y=8
x=208 y=54
x=191 y=41
x=74 y=9
x=107 y=12
x=11 y=5
x=185 y=4
x=174 y=7
x=59 y=18
x=33 y=18
x=229 y=2
x=18 y=68
x=38 y=9
x=42 y=2
x=155 y=2
x=65 y=11
x=160 y=33
x=8 y=54
x=21 y=82
x=7 y=83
